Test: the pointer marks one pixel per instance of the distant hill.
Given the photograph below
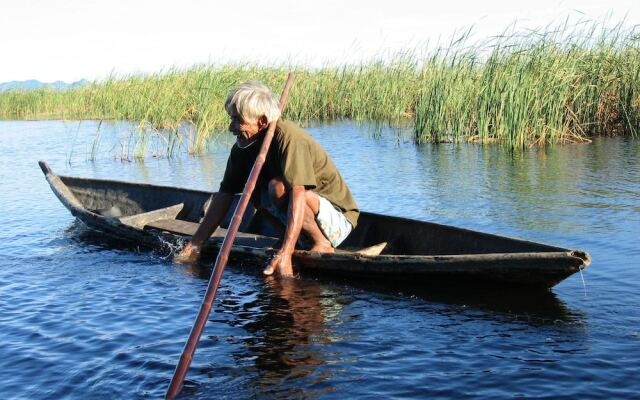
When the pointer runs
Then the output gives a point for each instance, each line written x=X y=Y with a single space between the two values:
x=34 y=84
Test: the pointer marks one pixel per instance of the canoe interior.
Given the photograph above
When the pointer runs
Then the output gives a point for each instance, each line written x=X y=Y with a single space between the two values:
x=404 y=236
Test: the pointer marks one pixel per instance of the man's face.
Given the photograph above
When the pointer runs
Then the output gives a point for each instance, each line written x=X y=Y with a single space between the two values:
x=243 y=130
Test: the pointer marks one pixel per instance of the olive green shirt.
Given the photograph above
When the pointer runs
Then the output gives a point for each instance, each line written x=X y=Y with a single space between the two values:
x=298 y=160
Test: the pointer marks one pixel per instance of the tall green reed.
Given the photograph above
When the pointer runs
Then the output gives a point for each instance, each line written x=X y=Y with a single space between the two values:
x=523 y=88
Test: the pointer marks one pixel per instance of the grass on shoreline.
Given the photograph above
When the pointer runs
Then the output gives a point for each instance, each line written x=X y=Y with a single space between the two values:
x=523 y=88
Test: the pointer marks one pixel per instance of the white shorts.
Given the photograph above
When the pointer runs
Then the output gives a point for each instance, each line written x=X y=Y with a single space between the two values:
x=332 y=222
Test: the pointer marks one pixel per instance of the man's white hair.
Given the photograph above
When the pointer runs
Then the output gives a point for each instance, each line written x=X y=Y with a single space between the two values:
x=252 y=100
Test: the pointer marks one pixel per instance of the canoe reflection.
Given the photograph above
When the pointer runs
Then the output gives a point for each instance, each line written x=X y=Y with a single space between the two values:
x=535 y=306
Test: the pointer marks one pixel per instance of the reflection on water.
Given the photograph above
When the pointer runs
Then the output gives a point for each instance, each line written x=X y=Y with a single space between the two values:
x=534 y=306
x=282 y=340
x=83 y=316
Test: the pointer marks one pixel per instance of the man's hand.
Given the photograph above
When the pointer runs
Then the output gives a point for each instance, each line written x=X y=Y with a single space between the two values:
x=189 y=255
x=282 y=263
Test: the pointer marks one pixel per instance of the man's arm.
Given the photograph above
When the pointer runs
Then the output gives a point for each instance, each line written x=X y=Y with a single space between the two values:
x=219 y=207
x=295 y=214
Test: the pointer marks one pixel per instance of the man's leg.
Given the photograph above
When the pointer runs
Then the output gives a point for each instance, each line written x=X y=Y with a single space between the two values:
x=279 y=197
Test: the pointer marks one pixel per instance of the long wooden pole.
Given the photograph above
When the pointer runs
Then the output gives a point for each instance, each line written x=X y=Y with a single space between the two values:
x=221 y=261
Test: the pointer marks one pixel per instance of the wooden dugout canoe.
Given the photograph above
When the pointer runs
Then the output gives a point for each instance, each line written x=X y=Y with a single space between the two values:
x=417 y=252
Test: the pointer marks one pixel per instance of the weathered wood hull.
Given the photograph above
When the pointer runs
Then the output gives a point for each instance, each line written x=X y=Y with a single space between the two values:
x=418 y=252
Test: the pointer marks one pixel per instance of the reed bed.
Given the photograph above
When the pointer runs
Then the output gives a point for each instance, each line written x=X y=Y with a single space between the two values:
x=523 y=88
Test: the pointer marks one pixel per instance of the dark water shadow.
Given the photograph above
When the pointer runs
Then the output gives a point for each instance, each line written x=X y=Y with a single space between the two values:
x=534 y=306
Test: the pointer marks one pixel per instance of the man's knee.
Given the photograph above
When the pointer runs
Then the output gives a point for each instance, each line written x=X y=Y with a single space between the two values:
x=277 y=190
x=313 y=201
x=278 y=195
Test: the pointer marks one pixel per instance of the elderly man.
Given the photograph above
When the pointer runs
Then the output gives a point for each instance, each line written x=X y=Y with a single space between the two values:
x=299 y=184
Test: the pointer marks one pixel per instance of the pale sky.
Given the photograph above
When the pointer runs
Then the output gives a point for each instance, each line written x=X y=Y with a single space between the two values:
x=70 y=40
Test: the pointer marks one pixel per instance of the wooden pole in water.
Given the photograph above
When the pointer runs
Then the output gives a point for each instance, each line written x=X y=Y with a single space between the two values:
x=221 y=261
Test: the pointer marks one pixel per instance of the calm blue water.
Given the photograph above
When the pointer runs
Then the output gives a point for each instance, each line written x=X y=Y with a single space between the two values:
x=83 y=317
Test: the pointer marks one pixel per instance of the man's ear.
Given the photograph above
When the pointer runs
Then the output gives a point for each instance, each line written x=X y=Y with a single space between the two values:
x=263 y=122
